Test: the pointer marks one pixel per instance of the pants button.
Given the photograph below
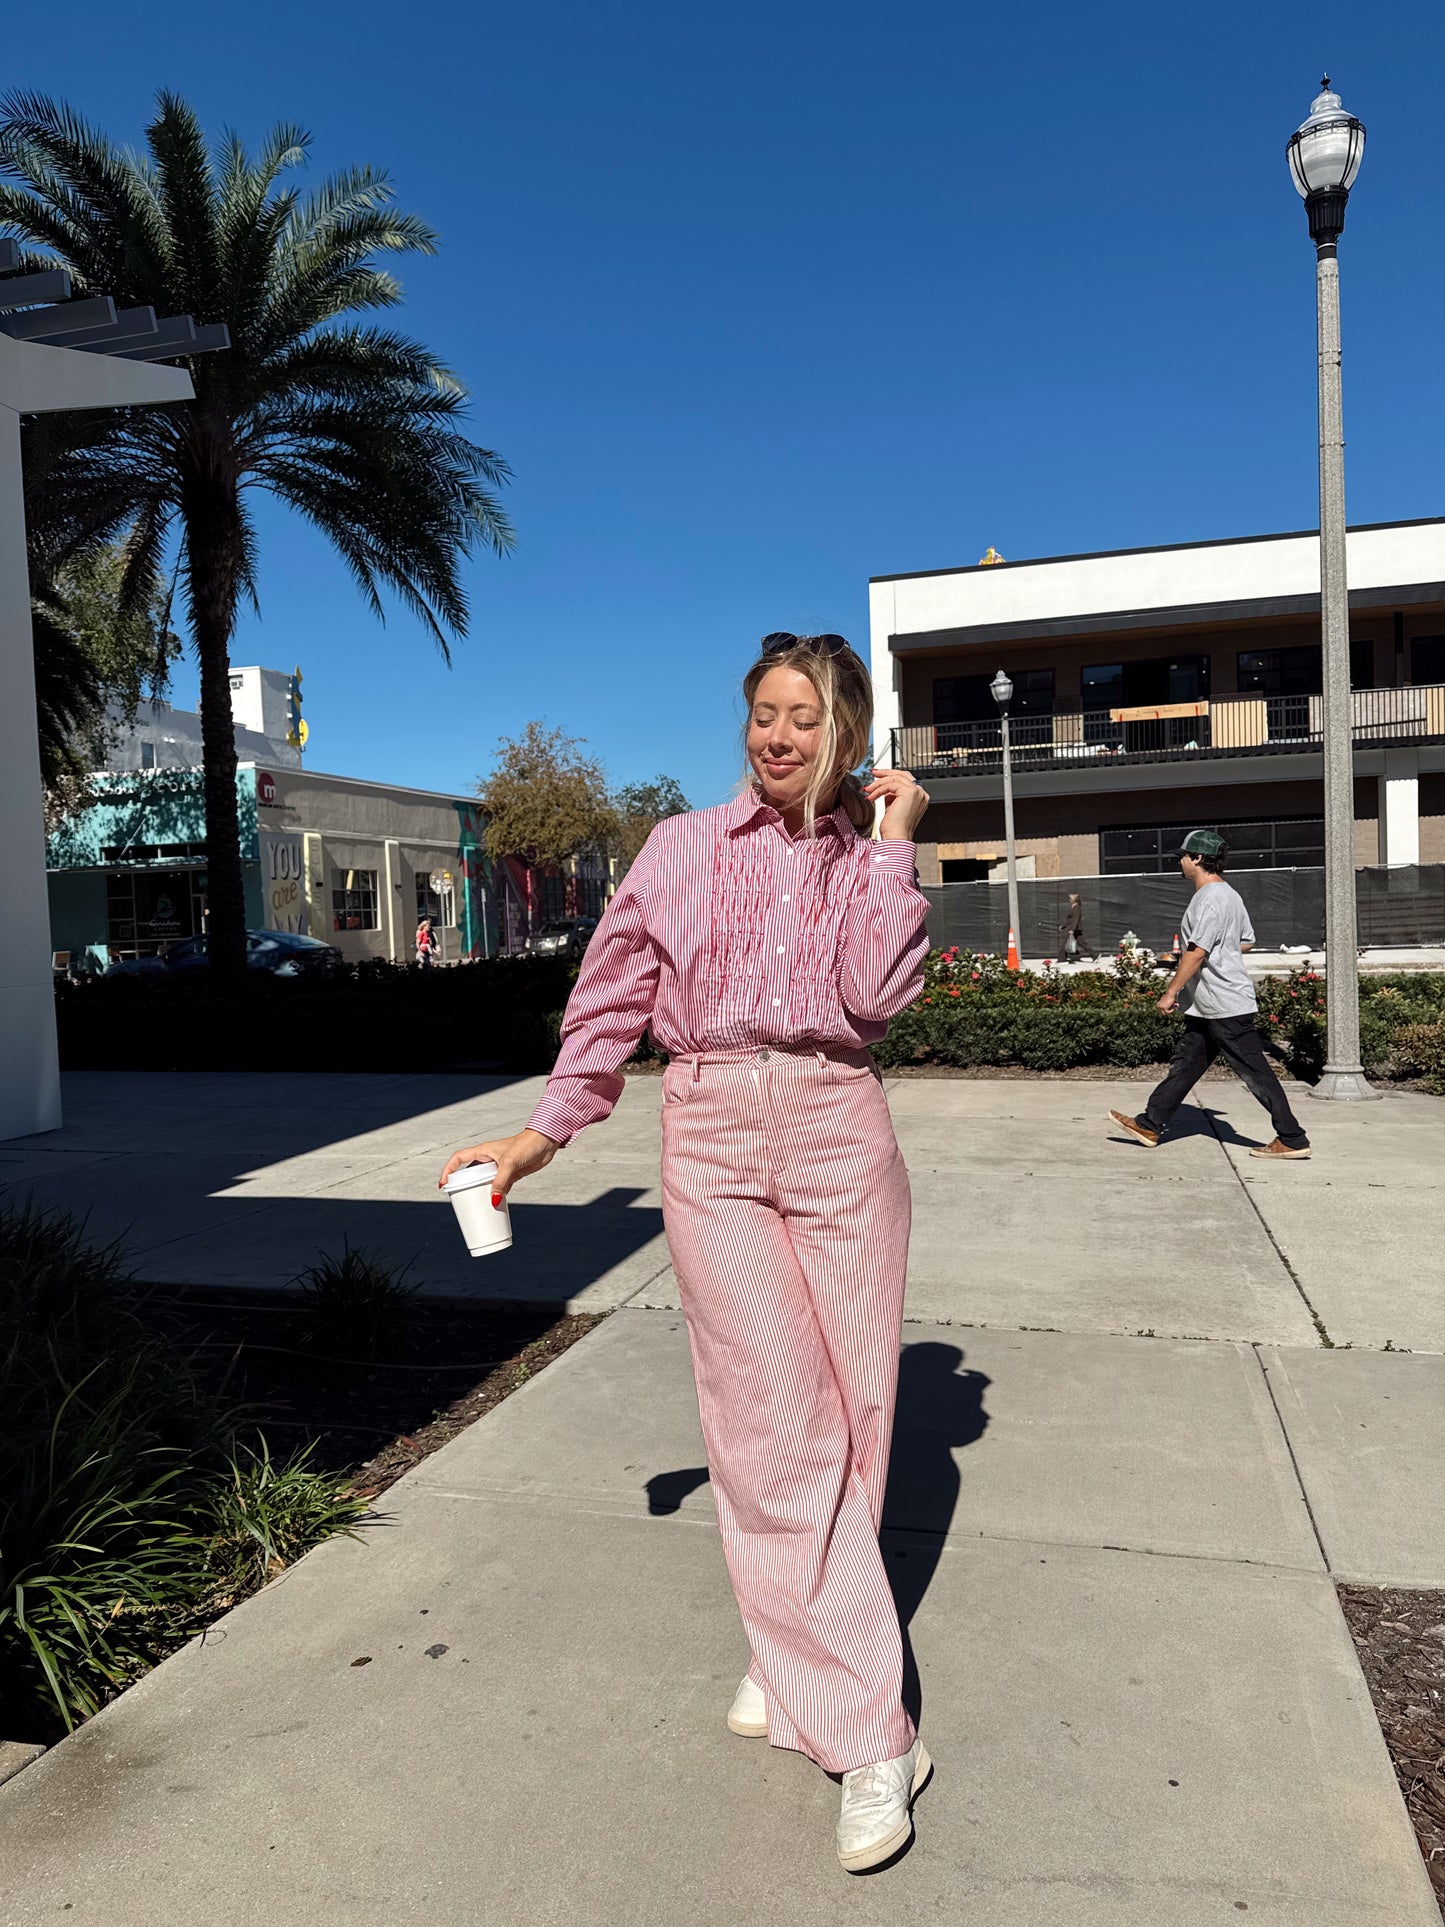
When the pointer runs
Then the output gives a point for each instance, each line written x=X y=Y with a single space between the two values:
x=763 y=1056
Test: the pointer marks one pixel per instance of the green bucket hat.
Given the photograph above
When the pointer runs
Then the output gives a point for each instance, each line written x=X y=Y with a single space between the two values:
x=1203 y=843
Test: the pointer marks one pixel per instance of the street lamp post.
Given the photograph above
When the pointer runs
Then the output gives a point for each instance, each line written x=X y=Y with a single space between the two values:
x=1324 y=158
x=1002 y=691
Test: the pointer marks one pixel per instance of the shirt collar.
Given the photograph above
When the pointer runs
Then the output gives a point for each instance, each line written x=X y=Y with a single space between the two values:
x=749 y=809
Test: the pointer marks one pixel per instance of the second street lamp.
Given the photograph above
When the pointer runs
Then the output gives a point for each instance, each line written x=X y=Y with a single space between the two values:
x=1324 y=157
x=1001 y=689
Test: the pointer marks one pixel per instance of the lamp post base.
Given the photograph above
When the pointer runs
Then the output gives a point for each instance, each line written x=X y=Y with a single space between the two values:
x=1344 y=1087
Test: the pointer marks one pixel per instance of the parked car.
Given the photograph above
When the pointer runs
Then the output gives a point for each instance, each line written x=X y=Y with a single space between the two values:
x=564 y=937
x=283 y=952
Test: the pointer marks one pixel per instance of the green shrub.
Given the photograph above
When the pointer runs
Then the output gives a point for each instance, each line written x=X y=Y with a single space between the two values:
x=354 y=1305
x=128 y=1515
x=1418 y=1050
x=263 y=1516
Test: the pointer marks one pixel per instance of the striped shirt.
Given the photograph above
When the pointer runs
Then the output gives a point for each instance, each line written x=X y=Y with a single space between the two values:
x=729 y=932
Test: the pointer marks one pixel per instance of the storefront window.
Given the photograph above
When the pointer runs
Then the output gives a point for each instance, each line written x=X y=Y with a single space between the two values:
x=148 y=909
x=354 y=900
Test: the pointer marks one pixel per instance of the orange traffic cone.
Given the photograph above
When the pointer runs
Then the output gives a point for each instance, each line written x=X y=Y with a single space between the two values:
x=1012 y=959
x=1176 y=942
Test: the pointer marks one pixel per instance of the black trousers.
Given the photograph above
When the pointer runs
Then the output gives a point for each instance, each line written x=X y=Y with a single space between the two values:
x=1236 y=1040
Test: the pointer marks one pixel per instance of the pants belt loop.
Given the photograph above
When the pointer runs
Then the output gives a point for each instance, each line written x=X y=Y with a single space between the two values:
x=696 y=1071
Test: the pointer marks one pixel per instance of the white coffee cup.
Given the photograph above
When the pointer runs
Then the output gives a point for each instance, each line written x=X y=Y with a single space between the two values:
x=485 y=1226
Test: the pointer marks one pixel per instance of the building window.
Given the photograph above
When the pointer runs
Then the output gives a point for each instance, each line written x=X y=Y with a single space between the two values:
x=968 y=699
x=1146 y=685
x=1279 y=672
x=963 y=869
x=353 y=900
x=1427 y=660
x=147 y=755
x=1152 y=850
x=146 y=910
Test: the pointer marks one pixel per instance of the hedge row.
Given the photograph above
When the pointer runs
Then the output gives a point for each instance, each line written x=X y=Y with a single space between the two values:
x=505 y=1014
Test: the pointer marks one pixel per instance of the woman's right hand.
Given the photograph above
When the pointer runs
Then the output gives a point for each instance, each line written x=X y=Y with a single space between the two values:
x=515 y=1157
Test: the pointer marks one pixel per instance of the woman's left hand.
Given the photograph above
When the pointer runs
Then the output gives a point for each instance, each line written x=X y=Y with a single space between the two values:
x=906 y=800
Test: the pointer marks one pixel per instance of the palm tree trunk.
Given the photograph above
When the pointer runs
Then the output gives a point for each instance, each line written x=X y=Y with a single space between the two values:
x=213 y=554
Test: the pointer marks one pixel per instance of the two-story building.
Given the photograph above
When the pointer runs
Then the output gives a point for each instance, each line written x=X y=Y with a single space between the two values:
x=1160 y=689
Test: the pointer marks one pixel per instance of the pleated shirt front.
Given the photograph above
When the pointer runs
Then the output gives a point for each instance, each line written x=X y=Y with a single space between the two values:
x=728 y=932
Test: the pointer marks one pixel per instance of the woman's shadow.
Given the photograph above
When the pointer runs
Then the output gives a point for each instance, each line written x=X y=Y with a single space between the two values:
x=940 y=1410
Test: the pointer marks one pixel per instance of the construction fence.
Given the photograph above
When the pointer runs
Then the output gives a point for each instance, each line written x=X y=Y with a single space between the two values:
x=1402 y=905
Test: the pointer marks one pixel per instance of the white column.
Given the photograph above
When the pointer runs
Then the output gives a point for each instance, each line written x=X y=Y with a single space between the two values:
x=397 y=925
x=1399 y=807
x=29 y=1063
x=887 y=673
x=318 y=903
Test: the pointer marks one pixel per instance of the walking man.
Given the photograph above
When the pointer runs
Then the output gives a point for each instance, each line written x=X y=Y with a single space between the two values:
x=1212 y=987
x=1073 y=944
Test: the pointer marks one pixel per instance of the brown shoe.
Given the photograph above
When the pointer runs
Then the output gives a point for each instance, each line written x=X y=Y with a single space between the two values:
x=1136 y=1129
x=1274 y=1149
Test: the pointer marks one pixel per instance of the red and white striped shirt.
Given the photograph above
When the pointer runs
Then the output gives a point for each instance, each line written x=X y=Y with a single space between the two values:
x=729 y=932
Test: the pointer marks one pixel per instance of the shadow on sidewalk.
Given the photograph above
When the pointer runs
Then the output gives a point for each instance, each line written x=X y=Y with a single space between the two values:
x=940 y=1410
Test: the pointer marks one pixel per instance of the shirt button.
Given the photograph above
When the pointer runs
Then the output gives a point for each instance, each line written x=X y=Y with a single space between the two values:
x=786 y=899
x=782 y=949
x=777 y=1002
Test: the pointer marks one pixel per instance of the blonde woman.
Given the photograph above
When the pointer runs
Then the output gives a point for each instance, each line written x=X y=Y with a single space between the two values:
x=766 y=943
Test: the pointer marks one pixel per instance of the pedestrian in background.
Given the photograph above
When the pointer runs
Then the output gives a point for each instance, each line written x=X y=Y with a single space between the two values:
x=426 y=942
x=765 y=944
x=1072 y=941
x=1214 y=990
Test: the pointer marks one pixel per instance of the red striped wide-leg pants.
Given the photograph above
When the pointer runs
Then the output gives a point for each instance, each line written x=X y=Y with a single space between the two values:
x=787 y=1210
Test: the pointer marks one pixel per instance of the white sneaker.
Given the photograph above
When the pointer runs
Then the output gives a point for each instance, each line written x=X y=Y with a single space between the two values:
x=877 y=1819
x=748 y=1713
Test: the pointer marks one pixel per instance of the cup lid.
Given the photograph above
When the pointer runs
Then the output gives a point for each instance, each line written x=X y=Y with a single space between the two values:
x=471 y=1174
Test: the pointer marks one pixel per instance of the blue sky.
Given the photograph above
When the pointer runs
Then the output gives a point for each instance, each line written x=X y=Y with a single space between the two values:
x=764 y=300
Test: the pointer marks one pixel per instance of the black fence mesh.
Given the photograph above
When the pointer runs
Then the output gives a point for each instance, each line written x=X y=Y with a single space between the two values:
x=1404 y=905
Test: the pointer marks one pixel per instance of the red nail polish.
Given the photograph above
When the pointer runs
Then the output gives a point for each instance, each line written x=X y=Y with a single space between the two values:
x=496 y=1201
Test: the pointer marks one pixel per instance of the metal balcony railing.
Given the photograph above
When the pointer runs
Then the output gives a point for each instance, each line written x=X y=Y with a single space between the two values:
x=1222 y=726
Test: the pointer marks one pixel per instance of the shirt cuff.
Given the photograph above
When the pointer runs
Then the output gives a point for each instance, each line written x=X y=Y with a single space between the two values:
x=895 y=858
x=553 y=1120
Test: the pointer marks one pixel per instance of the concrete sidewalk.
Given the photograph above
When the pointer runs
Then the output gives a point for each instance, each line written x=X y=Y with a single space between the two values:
x=1115 y=1555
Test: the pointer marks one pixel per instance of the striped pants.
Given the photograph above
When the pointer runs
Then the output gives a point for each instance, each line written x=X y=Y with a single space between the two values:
x=787 y=1210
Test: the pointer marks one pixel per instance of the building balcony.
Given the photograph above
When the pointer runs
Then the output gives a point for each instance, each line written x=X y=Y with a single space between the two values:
x=1222 y=726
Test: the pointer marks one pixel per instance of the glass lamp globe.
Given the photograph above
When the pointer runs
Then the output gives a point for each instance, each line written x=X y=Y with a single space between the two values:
x=1001 y=689
x=1326 y=151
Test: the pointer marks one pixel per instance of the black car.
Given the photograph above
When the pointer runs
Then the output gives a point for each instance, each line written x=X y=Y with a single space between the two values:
x=283 y=952
x=563 y=937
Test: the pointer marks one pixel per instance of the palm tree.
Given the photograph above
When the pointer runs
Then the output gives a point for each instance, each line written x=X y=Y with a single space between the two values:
x=353 y=426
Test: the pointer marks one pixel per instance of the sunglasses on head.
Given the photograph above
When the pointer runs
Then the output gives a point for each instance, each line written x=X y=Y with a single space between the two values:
x=780 y=642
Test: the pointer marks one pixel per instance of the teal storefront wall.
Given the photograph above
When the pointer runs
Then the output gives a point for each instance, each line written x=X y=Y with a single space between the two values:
x=139 y=810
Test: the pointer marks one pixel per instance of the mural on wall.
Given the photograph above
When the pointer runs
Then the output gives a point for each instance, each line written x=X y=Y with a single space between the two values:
x=283 y=881
x=475 y=920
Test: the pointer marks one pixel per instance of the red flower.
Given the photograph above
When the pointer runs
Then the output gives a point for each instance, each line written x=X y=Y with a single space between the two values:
x=1274 y=1020
x=955 y=992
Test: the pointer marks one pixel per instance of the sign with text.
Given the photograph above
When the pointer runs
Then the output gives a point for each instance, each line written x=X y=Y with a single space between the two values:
x=283 y=882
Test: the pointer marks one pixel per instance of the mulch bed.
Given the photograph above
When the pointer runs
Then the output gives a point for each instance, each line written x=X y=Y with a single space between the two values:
x=1400 y=1638
x=374 y=1418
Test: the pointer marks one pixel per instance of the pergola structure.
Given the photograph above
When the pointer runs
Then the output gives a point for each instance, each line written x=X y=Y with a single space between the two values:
x=56 y=353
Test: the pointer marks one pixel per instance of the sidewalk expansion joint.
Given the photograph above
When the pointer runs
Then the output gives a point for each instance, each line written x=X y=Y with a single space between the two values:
x=957 y=1542
x=1319 y=1324
x=1299 y=1476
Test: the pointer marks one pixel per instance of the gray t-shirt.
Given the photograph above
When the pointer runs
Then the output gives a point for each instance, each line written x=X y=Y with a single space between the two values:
x=1219 y=923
